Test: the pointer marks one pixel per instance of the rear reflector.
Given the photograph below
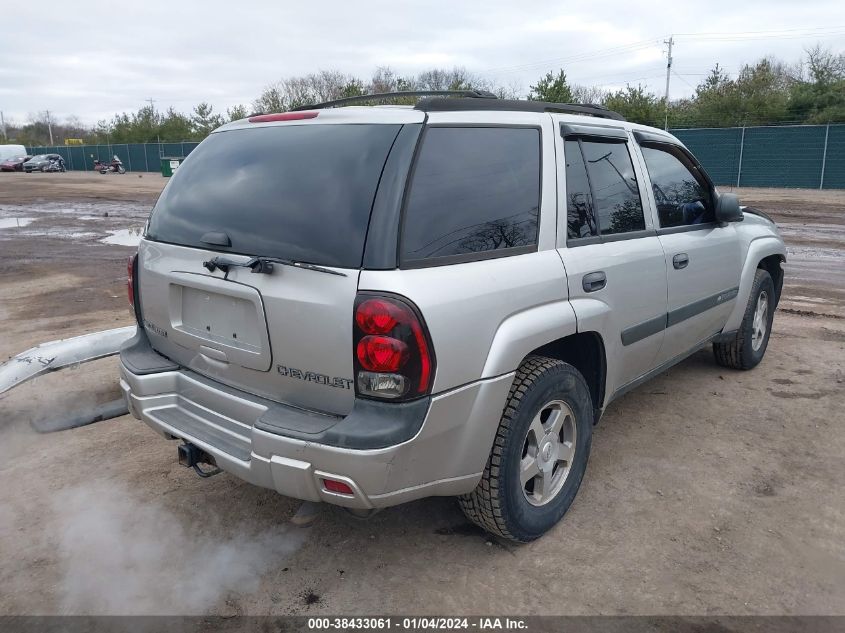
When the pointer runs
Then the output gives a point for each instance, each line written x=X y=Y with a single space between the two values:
x=283 y=116
x=337 y=486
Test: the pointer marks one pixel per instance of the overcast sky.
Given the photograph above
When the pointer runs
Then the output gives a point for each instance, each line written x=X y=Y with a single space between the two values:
x=93 y=59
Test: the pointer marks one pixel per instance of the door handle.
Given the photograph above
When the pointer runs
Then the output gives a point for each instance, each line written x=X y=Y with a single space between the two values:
x=594 y=281
x=681 y=260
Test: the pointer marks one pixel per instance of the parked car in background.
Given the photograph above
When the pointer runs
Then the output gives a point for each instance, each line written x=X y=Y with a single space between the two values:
x=11 y=151
x=14 y=164
x=43 y=162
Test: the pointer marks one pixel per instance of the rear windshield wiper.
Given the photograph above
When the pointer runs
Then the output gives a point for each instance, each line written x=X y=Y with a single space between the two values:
x=264 y=265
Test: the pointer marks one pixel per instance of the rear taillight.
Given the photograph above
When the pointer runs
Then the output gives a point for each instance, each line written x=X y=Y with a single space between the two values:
x=394 y=358
x=130 y=281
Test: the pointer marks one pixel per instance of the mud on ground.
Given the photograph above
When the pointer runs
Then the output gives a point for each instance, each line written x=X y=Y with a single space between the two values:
x=708 y=491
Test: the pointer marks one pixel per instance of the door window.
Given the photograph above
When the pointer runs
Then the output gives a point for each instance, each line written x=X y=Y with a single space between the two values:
x=682 y=195
x=580 y=218
x=603 y=197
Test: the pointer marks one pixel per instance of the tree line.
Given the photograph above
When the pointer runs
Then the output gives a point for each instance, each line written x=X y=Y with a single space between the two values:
x=767 y=92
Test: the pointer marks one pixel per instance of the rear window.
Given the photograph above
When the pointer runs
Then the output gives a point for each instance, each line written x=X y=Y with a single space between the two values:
x=301 y=192
x=475 y=194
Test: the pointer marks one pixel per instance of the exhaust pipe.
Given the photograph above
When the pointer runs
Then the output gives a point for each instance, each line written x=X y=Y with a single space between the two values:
x=191 y=456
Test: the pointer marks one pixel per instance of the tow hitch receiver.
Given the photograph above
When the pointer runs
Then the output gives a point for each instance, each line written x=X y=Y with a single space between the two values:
x=191 y=456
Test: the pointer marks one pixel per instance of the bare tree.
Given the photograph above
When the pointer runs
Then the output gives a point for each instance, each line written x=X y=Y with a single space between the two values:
x=825 y=67
x=384 y=80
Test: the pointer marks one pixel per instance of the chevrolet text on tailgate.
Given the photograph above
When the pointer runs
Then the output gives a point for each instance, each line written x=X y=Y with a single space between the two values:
x=369 y=305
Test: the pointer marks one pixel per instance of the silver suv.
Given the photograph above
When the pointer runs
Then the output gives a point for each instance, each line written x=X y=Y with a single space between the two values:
x=372 y=304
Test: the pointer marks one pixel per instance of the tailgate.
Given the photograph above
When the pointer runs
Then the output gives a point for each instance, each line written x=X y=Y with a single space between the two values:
x=285 y=336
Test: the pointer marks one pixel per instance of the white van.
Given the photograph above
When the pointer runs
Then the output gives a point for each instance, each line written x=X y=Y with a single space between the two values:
x=11 y=151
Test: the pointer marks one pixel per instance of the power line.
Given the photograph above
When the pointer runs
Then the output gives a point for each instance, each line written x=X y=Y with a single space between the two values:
x=764 y=37
x=682 y=79
x=586 y=56
x=809 y=31
x=713 y=36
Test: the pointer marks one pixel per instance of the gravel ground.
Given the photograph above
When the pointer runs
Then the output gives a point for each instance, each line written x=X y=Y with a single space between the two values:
x=708 y=492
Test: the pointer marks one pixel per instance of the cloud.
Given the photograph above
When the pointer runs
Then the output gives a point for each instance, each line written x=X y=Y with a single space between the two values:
x=76 y=58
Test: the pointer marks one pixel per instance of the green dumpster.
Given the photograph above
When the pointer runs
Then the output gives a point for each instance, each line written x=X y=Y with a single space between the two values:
x=169 y=164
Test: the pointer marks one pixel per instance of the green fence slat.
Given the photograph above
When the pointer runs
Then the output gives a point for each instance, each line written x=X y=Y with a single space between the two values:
x=717 y=149
x=834 y=167
x=783 y=156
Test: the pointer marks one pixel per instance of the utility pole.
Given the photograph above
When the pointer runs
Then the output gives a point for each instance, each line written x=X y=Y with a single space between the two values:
x=153 y=112
x=668 y=42
x=3 y=126
x=50 y=127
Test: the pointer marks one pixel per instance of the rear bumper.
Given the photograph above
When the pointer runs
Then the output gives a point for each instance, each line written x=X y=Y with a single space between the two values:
x=445 y=455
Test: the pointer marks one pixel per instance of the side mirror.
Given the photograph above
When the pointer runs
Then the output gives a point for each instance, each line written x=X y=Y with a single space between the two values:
x=727 y=208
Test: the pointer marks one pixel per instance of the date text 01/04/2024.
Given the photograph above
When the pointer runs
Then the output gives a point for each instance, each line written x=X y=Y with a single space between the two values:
x=418 y=623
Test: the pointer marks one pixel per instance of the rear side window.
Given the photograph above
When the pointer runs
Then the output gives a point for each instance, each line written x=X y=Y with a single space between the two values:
x=682 y=195
x=301 y=192
x=475 y=192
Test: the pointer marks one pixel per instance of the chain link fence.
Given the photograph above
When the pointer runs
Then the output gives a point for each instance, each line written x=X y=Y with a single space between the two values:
x=135 y=156
x=810 y=156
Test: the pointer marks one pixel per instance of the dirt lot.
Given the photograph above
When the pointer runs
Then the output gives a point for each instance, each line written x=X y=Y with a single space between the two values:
x=708 y=492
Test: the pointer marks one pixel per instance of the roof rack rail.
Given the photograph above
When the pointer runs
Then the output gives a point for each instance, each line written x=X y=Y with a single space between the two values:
x=472 y=94
x=442 y=105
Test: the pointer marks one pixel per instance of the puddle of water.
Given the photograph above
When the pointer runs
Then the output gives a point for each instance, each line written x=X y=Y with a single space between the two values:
x=125 y=237
x=13 y=223
x=809 y=252
x=121 y=210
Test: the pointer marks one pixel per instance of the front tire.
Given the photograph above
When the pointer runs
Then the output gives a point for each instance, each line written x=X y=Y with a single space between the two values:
x=539 y=454
x=747 y=348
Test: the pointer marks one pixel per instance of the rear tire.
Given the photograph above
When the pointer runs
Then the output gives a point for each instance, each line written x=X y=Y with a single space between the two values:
x=747 y=348
x=539 y=454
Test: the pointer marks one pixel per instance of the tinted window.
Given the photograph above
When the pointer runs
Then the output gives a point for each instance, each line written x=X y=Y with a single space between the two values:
x=474 y=190
x=681 y=197
x=301 y=192
x=616 y=196
x=580 y=219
